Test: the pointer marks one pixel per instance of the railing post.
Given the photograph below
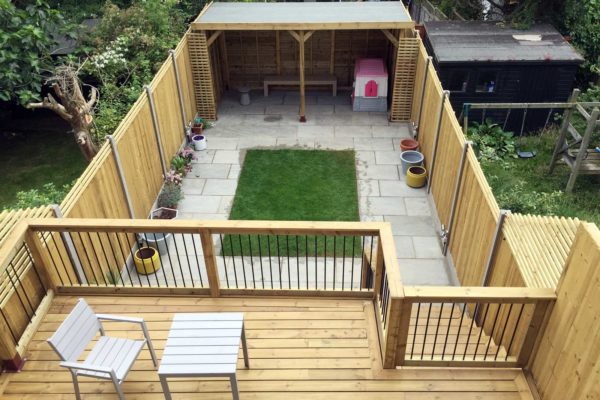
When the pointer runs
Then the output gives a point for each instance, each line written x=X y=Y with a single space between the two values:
x=210 y=261
x=40 y=258
x=378 y=278
x=397 y=332
x=535 y=325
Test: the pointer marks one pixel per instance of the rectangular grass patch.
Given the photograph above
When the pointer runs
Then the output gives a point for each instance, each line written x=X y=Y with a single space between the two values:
x=295 y=185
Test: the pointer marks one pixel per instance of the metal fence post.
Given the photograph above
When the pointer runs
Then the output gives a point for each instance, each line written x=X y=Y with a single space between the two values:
x=179 y=91
x=156 y=129
x=494 y=248
x=70 y=247
x=448 y=231
x=445 y=95
x=425 y=75
x=115 y=151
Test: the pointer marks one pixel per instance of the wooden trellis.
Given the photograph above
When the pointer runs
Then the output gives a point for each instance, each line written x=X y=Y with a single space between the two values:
x=202 y=74
x=404 y=79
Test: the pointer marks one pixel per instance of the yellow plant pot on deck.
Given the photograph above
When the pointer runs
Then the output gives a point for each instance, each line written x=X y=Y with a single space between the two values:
x=147 y=260
x=416 y=177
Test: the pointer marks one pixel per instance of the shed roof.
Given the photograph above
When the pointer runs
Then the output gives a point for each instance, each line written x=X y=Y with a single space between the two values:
x=304 y=16
x=464 y=41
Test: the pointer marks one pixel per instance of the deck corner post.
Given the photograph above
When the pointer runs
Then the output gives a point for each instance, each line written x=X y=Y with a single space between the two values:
x=40 y=258
x=210 y=261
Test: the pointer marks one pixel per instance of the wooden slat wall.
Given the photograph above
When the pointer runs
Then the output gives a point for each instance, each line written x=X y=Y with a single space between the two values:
x=404 y=79
x=252 y=55
x=567 y=362
x=203 y=76
x=421 y=61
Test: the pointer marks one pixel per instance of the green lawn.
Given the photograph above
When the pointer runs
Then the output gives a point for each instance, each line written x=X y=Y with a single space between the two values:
x=524 y=185
x=42 y=157
x=295 y=185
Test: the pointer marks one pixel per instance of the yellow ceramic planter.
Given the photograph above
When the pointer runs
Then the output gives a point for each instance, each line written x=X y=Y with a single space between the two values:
x=416 y=177
x=147 y=260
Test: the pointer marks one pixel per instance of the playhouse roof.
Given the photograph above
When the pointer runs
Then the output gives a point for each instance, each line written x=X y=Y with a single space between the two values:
x=304 y=16
x=475 y=41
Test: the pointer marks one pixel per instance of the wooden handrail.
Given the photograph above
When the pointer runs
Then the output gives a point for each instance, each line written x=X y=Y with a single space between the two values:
x=457 y=294
x=331 y=228
x=11 y=244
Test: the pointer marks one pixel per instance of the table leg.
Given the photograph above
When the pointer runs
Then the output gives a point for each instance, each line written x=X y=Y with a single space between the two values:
x=245 y=347
x=165 y=387
x=234 y=387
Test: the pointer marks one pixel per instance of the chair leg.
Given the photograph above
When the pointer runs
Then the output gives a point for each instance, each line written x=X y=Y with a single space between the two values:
x=119 y=390
x=76 y=385
x=149 y=343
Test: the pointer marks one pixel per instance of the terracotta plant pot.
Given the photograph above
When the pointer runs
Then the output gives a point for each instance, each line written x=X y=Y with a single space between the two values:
x=416 y=177
x=408 y=144
x=197 y=129
x=147 y=260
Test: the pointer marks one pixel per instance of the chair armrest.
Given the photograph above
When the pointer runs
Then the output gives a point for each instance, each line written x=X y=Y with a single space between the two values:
x=119 y=318
x=87 y=367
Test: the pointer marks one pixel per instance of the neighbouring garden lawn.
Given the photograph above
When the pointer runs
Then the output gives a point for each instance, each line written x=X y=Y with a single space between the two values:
x=40 y=158
x=525 y=186
x=295 y=185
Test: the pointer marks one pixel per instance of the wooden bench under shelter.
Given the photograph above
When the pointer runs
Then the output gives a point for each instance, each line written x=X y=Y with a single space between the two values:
x=289 y=80
x=258 y=45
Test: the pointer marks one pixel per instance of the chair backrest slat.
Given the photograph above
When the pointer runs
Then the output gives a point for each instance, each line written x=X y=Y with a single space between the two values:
x=76 y=331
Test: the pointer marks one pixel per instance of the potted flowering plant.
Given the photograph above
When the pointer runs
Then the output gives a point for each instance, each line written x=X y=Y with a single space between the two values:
x=182 y=162
x=166 y=208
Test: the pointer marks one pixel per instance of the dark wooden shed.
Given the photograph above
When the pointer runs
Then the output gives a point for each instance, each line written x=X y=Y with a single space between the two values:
x=483 y=62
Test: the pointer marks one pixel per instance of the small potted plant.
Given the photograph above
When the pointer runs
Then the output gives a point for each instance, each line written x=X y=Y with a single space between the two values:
x=198 y=125
x=166 y=208
x=146 y=260
x=182 y=162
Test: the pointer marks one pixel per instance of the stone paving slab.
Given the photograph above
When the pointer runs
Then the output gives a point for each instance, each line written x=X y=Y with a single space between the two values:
x=273 y=123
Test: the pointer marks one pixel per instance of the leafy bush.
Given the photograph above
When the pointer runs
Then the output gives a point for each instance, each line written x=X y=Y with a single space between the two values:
x=182 y=162
x=170 y=195
x=49 y=194
x=521 y=199
x=491 y=142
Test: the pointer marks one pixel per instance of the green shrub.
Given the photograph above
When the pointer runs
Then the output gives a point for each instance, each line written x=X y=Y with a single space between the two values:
x=48 y=194
x=521 y=199
x=491 y=143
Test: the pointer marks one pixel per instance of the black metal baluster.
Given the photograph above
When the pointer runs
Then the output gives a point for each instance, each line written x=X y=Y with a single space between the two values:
x=437 y=329
x=187 y=259
x=426 y=329
x=233 y=262
x=124 y=256
x=14 y=286
x=412 y=350
x=243 y=264
x=154 y=267
x=262 y=275
x=62 y=261
x=98 y=263
x=197 y=261
x=470 y=330
x=251 y=261
x=306 y=258
x=514 y=331
x=110 y=272
x=352 y=269
x=492 y=332
x=171 y=260
x=138 y=243
x=88 y=258
x=448 y=331
x=297 y=263
x=114 y=256
x=316 y=267
x=52 y=259
x=287 y=246
x=334 y=260
x=224 y=260
x=487 y=308
x=270 y=263
x=459 y=329
x=37 y=273
x=343 y=261
x=279 y=262
x=499 y=344
x=362 y=262
x=10 y=327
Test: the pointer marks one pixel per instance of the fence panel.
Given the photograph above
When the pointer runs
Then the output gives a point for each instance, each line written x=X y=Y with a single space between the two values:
x=567 y=362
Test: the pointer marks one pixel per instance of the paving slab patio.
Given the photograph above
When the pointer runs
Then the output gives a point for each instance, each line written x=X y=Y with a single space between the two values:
x=383 y=195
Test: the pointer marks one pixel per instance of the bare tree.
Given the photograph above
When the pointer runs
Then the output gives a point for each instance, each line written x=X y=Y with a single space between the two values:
x=71 y=105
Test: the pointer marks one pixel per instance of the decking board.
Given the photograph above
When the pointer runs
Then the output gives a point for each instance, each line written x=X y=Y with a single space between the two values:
x=298 y=348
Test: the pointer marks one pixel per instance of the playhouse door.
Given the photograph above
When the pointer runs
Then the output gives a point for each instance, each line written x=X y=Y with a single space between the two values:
x=371 y=89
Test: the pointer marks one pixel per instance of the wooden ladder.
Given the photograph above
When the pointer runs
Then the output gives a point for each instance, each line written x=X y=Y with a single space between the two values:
x=582 y=161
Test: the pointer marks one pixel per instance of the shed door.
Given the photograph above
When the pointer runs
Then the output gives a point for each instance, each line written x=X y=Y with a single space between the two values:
x=371 y=89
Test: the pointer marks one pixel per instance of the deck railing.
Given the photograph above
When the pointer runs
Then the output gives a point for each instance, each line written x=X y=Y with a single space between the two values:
x=448 y=326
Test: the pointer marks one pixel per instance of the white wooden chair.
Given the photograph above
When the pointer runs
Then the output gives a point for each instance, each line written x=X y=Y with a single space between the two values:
x=111 y=358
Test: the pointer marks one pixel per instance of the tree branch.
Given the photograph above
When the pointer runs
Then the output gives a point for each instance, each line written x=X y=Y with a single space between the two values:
x=93 y=97
x=50 y=103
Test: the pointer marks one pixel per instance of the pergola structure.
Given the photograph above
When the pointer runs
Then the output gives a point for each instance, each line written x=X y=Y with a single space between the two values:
x=239 y=44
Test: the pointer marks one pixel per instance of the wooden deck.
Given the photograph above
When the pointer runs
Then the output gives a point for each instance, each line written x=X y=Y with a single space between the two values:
x=299 y=349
